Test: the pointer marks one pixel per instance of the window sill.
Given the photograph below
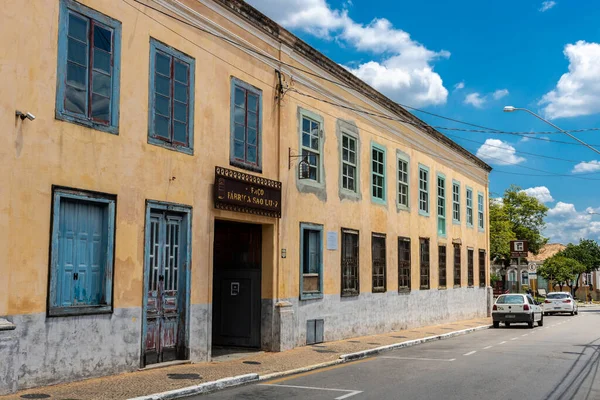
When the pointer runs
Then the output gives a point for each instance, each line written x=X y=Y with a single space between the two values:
x=377 y=200
x=441 y=287
x=481 y=286
x=455 y=222
x=423 y=213
x=470 y=287
x=311 y=296
x=378 y=291
x=243 y=165
x=457 y=286
x=172 y=147
x=403 y=291
x=349 y=294
x=481 y=230
x=68 y=117
x=76 y=311
x=401 y=207
x=469 y=226
x=424 y=288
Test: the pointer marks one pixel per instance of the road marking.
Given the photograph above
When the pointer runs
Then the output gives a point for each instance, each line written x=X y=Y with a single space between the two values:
x=418 y=359
x=349 y=394
x=469 y=353
x=515 y=338
x=320 y=370
x=489 y=347
x=525 y=334
x=502 y=342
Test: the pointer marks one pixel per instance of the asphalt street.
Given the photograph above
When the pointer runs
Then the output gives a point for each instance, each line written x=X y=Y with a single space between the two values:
x=557 y=361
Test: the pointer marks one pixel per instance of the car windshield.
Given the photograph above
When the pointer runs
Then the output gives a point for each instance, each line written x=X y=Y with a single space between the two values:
x=557 y=296
x=510 y=299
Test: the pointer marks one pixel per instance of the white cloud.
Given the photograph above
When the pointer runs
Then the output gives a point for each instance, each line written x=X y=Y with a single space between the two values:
x=542 y=193
x=405 y=68
x=500 y=93
x=459 y=85
x=475 y=100
x=591 y=166
x=564 y=224
x=546 y=5
x=577 y=91
x=498 y=152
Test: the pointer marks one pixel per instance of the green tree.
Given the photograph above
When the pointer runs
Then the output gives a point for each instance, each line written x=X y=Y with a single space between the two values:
x=526 y=215
x=560 y=269
x=516 y=216
x=587 y=253
x=500 y=231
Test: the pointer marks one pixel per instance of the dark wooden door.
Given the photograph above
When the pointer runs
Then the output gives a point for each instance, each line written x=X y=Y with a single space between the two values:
x=164 y=328
x=236 y=289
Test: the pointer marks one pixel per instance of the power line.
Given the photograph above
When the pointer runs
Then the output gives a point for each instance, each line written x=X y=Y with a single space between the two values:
x=326 y=101
x=262 y=54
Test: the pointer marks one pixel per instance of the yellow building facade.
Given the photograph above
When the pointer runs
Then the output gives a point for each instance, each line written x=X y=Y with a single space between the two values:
x=189 y=174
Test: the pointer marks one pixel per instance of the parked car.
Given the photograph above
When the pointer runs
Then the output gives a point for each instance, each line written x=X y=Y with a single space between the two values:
x=517 y=308
x=560 y=302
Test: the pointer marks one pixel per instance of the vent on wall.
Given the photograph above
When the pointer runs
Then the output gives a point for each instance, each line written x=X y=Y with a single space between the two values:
x=314 y=331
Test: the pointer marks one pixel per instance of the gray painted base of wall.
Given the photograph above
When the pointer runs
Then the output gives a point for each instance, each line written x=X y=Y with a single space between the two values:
x=44 y=351
x=373 y=313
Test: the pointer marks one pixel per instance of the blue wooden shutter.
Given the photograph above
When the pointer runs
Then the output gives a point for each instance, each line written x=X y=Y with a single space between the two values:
x=82 y=253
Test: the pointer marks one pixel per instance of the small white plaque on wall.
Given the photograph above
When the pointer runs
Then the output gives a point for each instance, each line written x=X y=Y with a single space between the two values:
x=332 y=240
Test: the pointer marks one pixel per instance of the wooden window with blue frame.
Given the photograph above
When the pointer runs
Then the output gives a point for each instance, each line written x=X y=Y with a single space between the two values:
x=88 y=72
x=480 y=220
x=81 y=252
x=311 y=261
x=246 y=126
x=469 y=197
x=455 y=202
x=441 y=204
x=423 y=190
x=171 y=98
x=378 y=259
x=378 y=165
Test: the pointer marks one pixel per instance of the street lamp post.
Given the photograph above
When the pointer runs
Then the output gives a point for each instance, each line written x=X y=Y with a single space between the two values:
x=512 y=109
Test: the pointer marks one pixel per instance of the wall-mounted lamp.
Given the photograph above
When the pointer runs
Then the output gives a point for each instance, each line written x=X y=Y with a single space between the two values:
x=23 y=115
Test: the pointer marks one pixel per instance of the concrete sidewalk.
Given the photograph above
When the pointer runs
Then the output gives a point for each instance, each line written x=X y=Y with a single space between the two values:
x=158 y=380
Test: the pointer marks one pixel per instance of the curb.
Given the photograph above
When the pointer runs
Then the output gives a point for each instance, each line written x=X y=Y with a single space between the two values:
x=344 y=358
x=377 y=350
x=202 y=388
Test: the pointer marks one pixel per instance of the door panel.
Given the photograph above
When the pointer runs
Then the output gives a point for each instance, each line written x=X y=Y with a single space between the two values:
x=236 y=289
x=164 y=301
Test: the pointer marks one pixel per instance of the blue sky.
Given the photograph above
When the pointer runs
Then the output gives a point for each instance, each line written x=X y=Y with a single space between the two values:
x=466 y=60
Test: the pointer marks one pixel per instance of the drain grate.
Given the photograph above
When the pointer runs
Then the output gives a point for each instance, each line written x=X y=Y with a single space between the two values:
x=399 y=337
x=184 y=376
x=36 y=396
x=252 y=362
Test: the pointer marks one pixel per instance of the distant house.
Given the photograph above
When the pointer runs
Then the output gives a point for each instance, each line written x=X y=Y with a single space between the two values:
x=515 y=278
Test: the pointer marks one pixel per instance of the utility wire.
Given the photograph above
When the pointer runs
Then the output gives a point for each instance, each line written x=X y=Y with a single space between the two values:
x=331 y=103
x=265 y=55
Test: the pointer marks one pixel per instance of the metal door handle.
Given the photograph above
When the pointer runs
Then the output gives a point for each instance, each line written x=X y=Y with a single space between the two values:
x=75 y=276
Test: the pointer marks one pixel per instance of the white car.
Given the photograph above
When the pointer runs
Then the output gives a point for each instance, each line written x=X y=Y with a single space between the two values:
x=517 y=308
x=560 y=302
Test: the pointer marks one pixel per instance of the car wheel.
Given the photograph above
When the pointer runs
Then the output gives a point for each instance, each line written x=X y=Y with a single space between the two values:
x=507 y=324
x=530 y=323
x=496 y=324
x=576 y=312
x=541 y=321
x=545 y=313
x=572 y=313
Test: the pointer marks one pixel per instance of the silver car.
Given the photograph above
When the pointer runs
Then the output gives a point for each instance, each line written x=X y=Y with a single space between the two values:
x=560 y=302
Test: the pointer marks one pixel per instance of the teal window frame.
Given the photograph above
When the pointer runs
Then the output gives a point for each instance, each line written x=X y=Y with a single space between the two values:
x=347 y=162
x=313 y=117
x=480 y=212
x=441 y=205
x=157 y=47
x=380 y=149
x=233 y=160
x=469 y=206
x=318 y=228
x=402 y=180
x=56 y=282
x=424 y=191
x=68 y=7
x=456 y=202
